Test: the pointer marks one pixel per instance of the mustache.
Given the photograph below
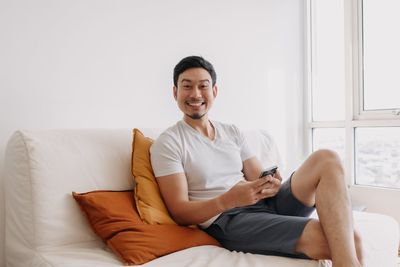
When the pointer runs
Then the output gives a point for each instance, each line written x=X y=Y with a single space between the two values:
x=195 y=100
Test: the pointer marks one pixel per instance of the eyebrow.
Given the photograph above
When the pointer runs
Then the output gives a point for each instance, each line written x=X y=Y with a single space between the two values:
x=187 y=80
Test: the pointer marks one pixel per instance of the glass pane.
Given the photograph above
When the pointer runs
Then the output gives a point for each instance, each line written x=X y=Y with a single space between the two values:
x=328 y=76
x=378 y=156
x=381 y=22
x=329 y=138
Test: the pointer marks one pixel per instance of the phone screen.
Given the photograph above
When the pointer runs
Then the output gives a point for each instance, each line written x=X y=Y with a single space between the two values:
x=269 y=171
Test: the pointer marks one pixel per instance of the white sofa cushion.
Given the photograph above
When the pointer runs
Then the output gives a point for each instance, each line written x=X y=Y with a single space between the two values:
x=52 y=164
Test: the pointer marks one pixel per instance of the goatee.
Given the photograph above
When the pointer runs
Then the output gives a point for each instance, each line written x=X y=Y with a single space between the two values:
x=196 y=116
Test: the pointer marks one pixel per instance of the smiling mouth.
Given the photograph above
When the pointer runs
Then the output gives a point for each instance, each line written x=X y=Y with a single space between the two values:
x=195 y=104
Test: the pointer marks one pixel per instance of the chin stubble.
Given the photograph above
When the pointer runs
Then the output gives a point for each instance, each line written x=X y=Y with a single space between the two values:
x=196 y=116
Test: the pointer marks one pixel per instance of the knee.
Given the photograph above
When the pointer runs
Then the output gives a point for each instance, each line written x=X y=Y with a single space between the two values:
x=313 y=242
x=327 y=159
x=323 y=155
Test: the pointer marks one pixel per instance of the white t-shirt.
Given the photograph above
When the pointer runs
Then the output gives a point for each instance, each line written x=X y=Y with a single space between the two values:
x=211 y=167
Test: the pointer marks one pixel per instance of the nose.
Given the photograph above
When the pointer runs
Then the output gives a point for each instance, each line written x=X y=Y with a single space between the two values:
x=196 y=92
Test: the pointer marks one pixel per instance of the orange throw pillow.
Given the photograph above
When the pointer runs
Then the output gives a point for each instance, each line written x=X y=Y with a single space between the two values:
x=149 y=202
x=113 y=217
x=108 y=212
x=146 y=242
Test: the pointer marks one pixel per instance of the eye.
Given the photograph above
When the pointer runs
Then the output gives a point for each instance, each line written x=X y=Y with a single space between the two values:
x=204 y=86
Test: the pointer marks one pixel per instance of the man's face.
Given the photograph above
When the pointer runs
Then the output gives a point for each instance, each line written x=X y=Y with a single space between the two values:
x=195 y=93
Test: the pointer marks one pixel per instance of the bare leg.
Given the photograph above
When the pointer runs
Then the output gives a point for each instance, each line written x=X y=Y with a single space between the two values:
x=314 y=244
x=320 y=181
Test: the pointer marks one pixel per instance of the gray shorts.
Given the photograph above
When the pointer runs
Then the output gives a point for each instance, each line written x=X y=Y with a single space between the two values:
x=271 y=226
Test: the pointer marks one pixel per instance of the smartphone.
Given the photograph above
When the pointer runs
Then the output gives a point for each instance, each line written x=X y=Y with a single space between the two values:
x=269 y=171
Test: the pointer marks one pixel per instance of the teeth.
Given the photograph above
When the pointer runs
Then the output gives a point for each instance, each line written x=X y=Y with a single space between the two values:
x=197 y=104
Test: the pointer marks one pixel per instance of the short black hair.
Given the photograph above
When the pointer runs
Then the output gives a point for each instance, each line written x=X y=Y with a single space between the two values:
x=194 y=62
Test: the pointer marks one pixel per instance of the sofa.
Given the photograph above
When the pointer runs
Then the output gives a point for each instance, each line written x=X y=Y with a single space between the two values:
x=45 y=226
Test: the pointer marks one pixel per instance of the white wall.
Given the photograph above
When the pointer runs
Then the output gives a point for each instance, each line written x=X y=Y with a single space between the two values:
x=103 y=63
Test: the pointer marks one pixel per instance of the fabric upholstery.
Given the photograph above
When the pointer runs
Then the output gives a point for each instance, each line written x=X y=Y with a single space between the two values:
x=108 y=212
x=142 y=243
x=46 y=228
x=149 y=202
x=114 y=218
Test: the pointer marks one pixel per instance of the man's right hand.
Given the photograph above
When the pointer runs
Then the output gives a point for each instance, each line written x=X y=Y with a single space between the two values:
x=246 y=193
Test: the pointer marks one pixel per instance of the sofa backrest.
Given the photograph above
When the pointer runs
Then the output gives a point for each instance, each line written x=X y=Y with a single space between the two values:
x=44 y=167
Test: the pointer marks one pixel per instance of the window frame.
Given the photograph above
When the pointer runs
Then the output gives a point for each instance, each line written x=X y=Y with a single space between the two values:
x=354 y=19
x=355 y=116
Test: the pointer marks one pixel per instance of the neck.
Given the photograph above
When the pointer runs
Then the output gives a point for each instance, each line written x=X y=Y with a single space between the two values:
x=202 y=125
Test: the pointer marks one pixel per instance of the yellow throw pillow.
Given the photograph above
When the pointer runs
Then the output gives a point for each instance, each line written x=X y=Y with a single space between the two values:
x=149 y=202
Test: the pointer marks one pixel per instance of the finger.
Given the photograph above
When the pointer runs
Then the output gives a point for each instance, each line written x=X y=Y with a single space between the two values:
x=270 y=183
x=261 y=181
x=267 y=192
x=269 y=177
x=274 y=185
x=267 y=183
x=275 y=181
x=278 y=175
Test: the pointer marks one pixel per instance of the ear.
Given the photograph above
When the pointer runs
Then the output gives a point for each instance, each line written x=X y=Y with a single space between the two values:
x=215 y=91
x=175 y=91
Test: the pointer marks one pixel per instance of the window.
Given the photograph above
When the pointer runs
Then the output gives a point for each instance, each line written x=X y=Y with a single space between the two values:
x=378 y=156
x=380 y=55
x=328 y=80
x=330 y=138
x=353 y=86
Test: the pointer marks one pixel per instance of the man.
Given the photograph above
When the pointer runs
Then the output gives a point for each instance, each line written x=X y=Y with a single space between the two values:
x=209 y=176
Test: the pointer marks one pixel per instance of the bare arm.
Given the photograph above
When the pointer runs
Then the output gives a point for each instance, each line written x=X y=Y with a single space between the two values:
x=252 y=169
x=174 y=190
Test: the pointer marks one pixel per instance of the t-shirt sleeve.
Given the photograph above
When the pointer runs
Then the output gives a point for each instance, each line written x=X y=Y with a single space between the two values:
x=166 y=156
x=245 y=150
